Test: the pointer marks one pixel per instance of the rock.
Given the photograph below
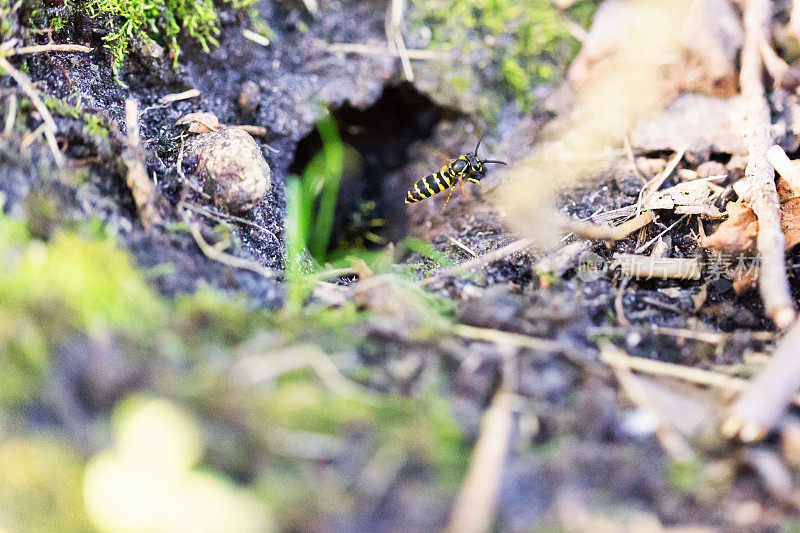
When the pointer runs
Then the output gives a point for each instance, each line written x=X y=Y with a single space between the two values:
x=249 y=97
x=712 y=169
x=231 y=168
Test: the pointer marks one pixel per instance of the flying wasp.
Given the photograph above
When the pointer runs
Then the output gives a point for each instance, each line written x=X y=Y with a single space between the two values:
x=467 y=167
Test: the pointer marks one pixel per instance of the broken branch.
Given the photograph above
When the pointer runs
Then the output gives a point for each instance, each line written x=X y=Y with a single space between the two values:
x=785 y=167
x=28 y=88
x=759 y=189
x=766 y=398
x=138 y=182
x=41 y=48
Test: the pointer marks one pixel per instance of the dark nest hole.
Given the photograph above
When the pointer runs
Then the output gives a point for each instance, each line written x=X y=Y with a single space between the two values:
x=377 y=139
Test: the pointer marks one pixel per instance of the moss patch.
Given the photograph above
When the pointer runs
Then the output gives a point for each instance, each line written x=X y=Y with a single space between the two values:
x=157 y=20
x=498 y=50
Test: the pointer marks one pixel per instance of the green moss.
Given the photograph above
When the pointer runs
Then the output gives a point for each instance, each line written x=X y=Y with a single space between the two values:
x=94 y=125
x=420 y=431
x=207 y=317
x=48 y=290
x=163 y=20
x=506 y=46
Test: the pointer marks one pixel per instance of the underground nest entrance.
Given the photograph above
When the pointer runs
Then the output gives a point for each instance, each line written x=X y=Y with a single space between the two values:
x=374 y=142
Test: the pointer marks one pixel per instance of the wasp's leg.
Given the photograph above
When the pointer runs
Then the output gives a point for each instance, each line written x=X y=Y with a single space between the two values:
x=473 y=180
x=463 y=192
x=448 y=198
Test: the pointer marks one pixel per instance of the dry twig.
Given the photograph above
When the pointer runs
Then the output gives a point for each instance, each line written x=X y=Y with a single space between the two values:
x=483 y=260
x=42 y=48
x=767 y=396
x=606 y=231
x=759 y=189
x=371 y=49
x=217 y=254
x=785 y=167
x=176 y=97
x=11 y=115
x=394 y=35
x=28 y=88
x=505 y=337
x=139 y=183
x=670 y=438
x=474 y=507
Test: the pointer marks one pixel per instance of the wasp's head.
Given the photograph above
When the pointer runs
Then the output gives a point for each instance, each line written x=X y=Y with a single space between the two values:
x=477 y=165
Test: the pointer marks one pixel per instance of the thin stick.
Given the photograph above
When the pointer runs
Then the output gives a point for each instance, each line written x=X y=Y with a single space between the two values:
x=30 y=137
x=394 y=35
x=785 y=167
x=40 y=48
x=709 y=337
x=379 y=50
x=608 y=232
x=505 y=337
x=256 y=131
x=11 y=116
x=218 y=255
x=225 y=217
x=759 y=183
x=669 y=437
x=28 y=88
x=138 y=182
x=626 y=143
x=461 y=245
x=767 y=396
x=646 y=245
x=651 y=187
x=485 y=259
x=474 y=506
x=177 y=97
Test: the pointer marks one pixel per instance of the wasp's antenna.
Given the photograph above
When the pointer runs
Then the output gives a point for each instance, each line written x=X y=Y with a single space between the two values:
x=478 y=145
x=494 y=161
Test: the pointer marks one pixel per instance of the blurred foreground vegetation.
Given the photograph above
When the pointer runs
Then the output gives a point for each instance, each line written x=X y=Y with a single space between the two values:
x=191 y=422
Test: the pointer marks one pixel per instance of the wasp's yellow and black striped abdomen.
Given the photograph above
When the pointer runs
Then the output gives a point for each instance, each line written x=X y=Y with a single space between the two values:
x=465 y=167
x=430 y=185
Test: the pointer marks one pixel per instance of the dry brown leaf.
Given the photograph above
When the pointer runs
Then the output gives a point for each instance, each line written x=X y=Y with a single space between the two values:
x=737 y=235
x=200 y=122
x=790 y=213
x=736 y=239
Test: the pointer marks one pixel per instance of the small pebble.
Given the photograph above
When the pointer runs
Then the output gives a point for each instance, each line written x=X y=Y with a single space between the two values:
x=249 y=97
x=711 y=168
x=231 y=168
